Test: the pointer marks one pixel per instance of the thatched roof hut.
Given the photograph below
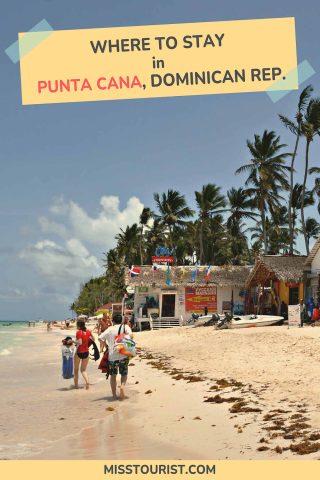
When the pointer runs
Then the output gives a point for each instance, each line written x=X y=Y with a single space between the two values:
x=223 y=276
x=275 y=267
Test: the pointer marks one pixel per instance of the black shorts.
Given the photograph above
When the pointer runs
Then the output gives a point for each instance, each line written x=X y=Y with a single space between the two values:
x=83 y=355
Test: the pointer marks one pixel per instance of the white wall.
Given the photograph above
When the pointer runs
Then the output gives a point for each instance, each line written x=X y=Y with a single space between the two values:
x=223 y=294
x=315 y=266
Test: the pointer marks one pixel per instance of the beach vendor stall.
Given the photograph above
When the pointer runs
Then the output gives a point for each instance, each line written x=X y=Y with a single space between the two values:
x=275 y=281
x=168 y=295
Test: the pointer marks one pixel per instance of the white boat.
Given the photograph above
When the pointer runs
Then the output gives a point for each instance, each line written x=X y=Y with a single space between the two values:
x=247 y=321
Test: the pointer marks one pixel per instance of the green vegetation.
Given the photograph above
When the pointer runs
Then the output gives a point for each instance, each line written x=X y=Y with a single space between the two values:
x=266 y=215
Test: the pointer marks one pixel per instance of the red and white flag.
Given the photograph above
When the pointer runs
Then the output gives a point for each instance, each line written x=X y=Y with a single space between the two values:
x=134 y=271
x=208 y=273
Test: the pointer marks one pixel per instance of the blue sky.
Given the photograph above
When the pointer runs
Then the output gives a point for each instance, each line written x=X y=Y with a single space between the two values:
x=72 y=174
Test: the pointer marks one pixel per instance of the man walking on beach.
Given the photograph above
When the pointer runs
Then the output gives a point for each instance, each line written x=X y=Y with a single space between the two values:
x=302 y=312
x=117 y=363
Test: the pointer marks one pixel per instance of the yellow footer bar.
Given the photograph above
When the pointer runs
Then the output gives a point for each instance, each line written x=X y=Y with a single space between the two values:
x=159 y=469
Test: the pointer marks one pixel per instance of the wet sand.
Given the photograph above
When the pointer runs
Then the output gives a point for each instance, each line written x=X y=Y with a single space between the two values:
x=214 y=395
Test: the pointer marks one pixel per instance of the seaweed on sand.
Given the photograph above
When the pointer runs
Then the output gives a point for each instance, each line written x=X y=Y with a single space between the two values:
x=241 y=407
x=298 y=426
x=304 y=448
x=219 y=399
x=224 y=383
x=194 y=378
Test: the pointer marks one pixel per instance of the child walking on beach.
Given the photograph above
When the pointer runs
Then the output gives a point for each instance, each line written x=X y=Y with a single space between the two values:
x=118 y=363
x=81 y=357
x=67 y=350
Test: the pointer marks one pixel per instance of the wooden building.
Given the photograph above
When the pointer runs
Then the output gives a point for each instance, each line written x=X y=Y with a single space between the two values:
x=275 y=279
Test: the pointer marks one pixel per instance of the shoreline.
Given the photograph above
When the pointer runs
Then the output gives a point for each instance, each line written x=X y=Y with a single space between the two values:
x=243 y=398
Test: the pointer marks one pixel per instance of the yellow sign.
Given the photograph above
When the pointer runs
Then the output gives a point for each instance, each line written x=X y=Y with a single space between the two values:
x=158 y=61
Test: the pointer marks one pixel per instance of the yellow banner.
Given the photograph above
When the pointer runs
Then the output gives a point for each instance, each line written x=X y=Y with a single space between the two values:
x=159 y=470
x=158 y=61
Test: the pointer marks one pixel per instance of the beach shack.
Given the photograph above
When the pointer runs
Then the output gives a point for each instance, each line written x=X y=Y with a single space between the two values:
x=169 y=295
x=312 y=273
x=273 y=280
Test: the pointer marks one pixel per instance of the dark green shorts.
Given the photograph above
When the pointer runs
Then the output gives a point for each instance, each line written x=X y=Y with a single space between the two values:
x=120 y=366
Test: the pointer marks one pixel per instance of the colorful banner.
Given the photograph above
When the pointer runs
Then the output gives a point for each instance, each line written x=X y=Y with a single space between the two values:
x=197 y=298
x=158 y=61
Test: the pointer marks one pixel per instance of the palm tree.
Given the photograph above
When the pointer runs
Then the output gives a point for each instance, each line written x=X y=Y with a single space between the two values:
x=145 y=217
x=310 y=128
x=173 y=211
x=296 y=205
x=295 y=128
x=316 y=188
x=278 y=232
x=312 y=229
x=154 y=236
x=267 y=174
x=128 y=243
x=210 y=202
x=115 y=271
x=218 y=247
x=240 y=206
x=238 y=241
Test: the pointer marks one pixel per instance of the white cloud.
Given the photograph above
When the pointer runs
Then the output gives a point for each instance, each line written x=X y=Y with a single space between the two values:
x=69 y=263
x=61 y=265
x=98 y=230
x=46 y=293
x=12 y=293
x=52 y=227
x=59 y=207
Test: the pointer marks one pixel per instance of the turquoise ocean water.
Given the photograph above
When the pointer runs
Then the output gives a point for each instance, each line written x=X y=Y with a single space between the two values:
x=13 y=333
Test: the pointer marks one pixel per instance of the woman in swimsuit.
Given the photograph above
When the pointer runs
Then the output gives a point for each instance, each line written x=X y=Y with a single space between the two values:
x=81 y=357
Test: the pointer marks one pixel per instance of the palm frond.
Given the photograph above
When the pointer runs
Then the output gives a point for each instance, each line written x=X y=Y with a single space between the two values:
x=289 y=124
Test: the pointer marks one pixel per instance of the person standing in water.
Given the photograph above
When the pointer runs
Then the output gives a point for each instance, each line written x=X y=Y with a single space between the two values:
x=81 y=357
x=117 y=363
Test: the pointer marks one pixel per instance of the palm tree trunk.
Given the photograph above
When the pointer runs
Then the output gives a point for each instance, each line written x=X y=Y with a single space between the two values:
x=306 y=168
x=290 y=221
x=170 y=236
x=264 y=230
x=140 y=246
x=201 y=243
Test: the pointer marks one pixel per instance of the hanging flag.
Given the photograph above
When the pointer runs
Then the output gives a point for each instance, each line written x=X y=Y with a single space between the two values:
x=168 y=281
x=208 y=273
x=194 y=274
x=134 y=271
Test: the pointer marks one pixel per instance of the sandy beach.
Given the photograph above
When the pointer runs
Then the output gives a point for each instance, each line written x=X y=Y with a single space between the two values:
x=194 y=393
